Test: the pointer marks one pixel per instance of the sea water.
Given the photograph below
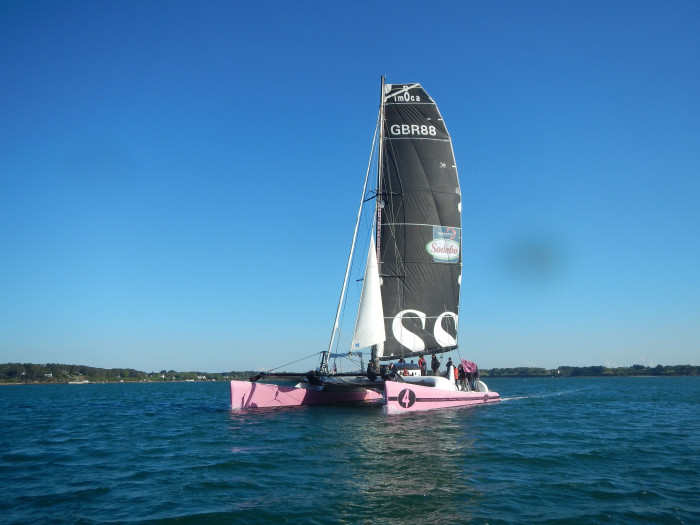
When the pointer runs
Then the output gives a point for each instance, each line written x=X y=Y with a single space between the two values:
x=555 y=450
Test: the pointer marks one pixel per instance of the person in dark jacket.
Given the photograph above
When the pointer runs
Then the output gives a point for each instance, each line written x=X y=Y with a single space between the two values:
x=435 y=365
x=474 y=380
x=462 y=375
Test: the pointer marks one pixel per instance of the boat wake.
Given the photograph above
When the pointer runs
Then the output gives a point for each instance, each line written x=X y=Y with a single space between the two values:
x=504 y=399
x=544 y=395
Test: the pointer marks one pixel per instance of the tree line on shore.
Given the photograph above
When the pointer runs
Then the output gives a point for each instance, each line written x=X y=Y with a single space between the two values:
x=59 y=373
x=595 y=371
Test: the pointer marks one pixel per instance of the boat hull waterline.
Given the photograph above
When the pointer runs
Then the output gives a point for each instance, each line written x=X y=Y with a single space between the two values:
x=246 y=395
x=398 y=397
x=404 y=397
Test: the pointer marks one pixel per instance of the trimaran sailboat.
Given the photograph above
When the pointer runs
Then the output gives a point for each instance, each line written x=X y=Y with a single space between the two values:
x=409 y=303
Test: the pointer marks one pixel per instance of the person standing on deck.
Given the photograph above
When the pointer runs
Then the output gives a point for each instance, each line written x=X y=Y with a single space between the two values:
x=435 y=365
x=422 y=365
x=462 y=378
x=450 y=369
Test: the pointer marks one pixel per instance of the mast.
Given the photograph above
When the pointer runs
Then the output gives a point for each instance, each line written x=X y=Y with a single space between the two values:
x=379 y=170
x=380 y=158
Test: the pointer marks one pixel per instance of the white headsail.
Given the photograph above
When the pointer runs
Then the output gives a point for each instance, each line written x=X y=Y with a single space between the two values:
x=369 y=326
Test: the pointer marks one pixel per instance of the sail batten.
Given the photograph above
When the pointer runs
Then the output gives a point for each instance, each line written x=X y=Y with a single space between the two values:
x=419 y=224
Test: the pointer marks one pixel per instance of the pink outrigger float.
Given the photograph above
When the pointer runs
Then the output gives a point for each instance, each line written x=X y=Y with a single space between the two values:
x=409 y=304
x=246 y=395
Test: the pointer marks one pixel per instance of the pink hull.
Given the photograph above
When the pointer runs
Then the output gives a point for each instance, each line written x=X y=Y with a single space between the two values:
x=404 y=397
x=245 y=394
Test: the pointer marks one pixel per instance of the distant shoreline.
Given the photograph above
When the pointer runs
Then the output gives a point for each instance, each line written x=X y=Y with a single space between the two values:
x=27 y=373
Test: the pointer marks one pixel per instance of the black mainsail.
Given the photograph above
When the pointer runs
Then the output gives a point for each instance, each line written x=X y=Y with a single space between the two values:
x=418 y=226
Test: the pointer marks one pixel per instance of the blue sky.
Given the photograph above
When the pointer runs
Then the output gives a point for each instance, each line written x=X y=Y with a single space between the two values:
x=179 y=180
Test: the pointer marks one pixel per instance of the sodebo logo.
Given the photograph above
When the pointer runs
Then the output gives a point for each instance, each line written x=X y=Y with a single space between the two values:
x=443 y=250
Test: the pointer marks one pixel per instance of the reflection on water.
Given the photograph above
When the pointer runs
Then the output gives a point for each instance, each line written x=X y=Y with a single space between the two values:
x=411 y=464
x=390 y=464
x=402 y=449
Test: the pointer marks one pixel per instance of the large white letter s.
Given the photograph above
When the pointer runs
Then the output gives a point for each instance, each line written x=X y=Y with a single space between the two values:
x=441 y=336
x=405 y=336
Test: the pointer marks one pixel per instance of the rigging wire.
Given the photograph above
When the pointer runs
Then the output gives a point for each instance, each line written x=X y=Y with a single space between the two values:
x=294 y=362
x=341 y=303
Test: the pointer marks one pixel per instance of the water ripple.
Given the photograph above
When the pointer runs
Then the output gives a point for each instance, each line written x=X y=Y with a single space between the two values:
x=622 y=450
